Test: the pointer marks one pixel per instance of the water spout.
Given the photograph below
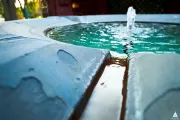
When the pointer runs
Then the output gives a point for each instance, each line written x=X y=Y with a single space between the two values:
x=131 y=14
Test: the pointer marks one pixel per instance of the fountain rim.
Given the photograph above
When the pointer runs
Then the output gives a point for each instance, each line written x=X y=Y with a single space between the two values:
x=36 y=28
x=139 y=22
x=171 y=19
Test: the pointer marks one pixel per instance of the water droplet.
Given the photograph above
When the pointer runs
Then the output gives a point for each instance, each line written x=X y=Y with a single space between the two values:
x=67 y=58
x=102 y=83
x=26 y=54
x=31 y=69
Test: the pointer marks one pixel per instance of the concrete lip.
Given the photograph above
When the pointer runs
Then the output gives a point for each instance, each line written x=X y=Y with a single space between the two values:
x=58 y=76
x=153 y=86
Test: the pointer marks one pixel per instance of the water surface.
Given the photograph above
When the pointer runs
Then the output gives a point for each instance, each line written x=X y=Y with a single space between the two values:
x=147 y=37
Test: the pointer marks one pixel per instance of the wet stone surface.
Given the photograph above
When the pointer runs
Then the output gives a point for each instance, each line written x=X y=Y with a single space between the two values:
x=40 y=80
x=29 y=102
x=153 y=91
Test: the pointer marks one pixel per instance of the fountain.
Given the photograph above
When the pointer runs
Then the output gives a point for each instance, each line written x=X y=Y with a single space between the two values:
x=40 y=75
x=151 y=35
x=119 y=36
x=131 y=14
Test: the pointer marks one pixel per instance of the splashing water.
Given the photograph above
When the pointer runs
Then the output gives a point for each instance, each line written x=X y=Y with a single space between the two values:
x=131 y=14
x=121 y=37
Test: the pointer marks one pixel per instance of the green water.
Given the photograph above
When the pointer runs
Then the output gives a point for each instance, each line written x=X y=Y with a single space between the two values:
x=147 y=37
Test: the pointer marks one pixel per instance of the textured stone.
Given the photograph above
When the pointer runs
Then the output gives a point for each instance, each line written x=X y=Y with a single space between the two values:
x=44 y=80
x=29 y=102
x=153 y=86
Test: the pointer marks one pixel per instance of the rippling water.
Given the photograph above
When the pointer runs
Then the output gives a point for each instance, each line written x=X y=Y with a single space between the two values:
x=147 y=37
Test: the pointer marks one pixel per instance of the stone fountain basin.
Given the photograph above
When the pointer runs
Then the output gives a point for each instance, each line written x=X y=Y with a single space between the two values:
x=41 y=78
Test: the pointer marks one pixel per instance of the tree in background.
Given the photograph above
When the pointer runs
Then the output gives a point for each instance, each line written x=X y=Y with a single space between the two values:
x=9 y=9
x=32 y=8
x=1 y=10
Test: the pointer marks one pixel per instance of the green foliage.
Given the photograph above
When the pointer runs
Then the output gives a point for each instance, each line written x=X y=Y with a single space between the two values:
x=19 y=13
x=1 y=9
x=34 y=9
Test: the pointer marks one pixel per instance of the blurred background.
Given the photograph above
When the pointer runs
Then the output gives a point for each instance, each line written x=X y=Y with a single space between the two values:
x=25 y=9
